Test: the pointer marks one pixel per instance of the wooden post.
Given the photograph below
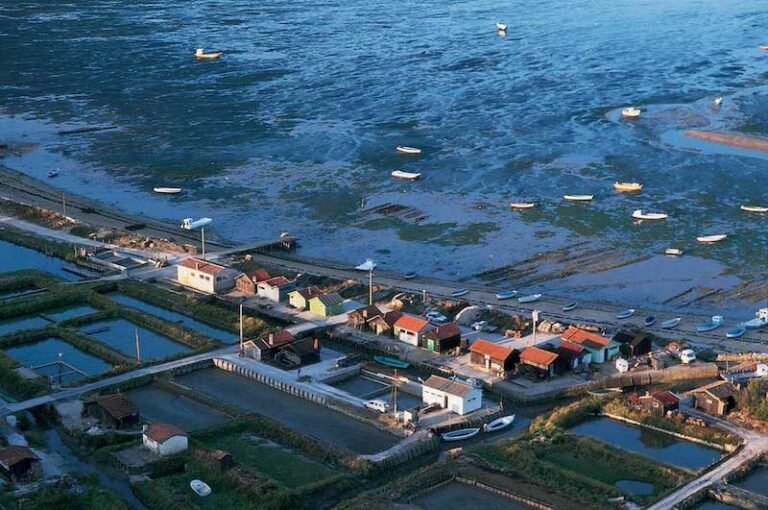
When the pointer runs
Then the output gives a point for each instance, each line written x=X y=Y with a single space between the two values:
x=138 y=347
x=241 y=329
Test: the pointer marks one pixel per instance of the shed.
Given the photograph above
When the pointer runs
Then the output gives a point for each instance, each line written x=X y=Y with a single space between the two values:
x=205 y=276
x=571 y=356
x=441 y=338
x=659 y=403
x=19 y=464
x=493 y=357
x=164 y=438
x=540 y=361
x=456 y=396
x=247 y=282
x=300 y=352
x=326 y=305
x=717 y=398
x=275 y=289
x=410 y=328
x=266 y=346
x=601 y=348
x=222 y=459
x=115 y=411
x=633 y=343
x=361 y=317
x=299 y=299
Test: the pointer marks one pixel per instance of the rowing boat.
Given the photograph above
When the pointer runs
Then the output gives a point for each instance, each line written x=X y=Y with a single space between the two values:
x=529 y=299
x=522 y=205
x=711 y=239
x=638 y=214
x=499 y=423
x=501 y=27
x=391 y=362
x=578 y=198
x=200 y=487
x=625 y=314
x=736 y=332
x=167 y=191
x=461 y=434
x=671 y=323
x=404 y=149
x=459 y=292
x=649 y=321
x=408 y=176
x=506 y=294
x=714 y=323
x=199 y=53
x=410 y=275
x=754 y=208
x=675 y=252
x=569 y=306
x=627 y=187
x=631 y=112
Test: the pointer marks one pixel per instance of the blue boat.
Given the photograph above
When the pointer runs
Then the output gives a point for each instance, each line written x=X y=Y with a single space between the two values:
x=391 y=362
x=650 y=320
x=529 y=299
x=506 y=294
x=569 y=306
x=671 y=323
x=410 y=275
x=716 y=322
x=736 y=332
x=459 y=292
x=625 y=314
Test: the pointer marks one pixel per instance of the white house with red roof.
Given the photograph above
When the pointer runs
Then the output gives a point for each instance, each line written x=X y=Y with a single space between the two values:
x=410 y=329
x=602 y=349
x=205 y=276
x=164 y=438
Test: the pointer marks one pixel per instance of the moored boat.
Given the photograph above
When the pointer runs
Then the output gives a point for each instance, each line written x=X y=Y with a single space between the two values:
x=630 y=112
x=569 y=306
x=200 y=487
x=638 y=214
x=404 y=149
x=754 y=208
x=459 y=292
x=501 y=27
x=529 y=298
x=715 y=322
x=711 y=239
x=410 y=275
x=391 y=362
x=718 y=101
x=408 y=176
x=674 y=252
x=53 y=173
x=671 y=323
x=763 y=48
x=461 y=434
x=578 y=198
x=506 y=294
x=166 y=191
x=625 y=314
x=736 y=332
x=760 y=320
x=627 y=187
x=649 y=320
x=200 y=53
x=499 y=423
x=522 y=205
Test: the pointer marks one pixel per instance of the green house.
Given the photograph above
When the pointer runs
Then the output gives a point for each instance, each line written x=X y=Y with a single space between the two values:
x=326 y=305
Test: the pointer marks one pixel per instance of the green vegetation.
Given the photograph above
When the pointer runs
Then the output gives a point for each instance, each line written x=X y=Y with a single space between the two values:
x=44 y=245
x=566 y=416
x=91 y=496
x=16 y=385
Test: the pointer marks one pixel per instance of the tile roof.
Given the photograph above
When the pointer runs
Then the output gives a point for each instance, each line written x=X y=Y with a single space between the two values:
x=445 y=331
x=259 y=275
x=538 y=356
x=491 y=349
x=586 y=338
x=277 y=281
x=12 y=455
x=367 y=312
x=202 y=265
x=569 y=350
x=277 y=338
x=309 y=292
x=721 y=390
x=392 y=317
x=411 y=323
x=447 y=386
x=161 y=432
x=117 y=405
x=665 y=397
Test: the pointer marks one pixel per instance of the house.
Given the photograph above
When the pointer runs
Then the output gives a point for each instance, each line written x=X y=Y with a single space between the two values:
x=275 y=289
x=571 y=356
x=539 y=361
x=326 y=305
x=409 y=329
x=601 y=348
x=300 y=352
x=633 y=343
x=361 y=317
x=659 y=403
x=115 y=411
x=205 y=276
x=385 y=323
x=299 y=299
x=458 y=397
x=164 y=438
x=717 y=398
x=441 y=338
x=247 y=282
x=19 y=464
x=493 y=357
x=266 y=346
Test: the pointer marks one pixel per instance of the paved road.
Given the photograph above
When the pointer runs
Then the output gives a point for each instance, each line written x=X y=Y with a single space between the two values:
x=754 y=445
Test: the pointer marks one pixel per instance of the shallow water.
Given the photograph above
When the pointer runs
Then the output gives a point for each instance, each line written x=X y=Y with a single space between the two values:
x=755 y=481
x=11 y=326
x=459 y=496
x=121 y=335
x=635 y=487
x=15 y=258
x=294 y=127
x=48 y=351
x=71 y=313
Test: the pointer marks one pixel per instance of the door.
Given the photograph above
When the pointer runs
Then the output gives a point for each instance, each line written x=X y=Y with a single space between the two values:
x=431 y=345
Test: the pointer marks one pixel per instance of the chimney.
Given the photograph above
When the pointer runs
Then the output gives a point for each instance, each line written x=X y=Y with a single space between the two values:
x=271 y=339
x=316 y=345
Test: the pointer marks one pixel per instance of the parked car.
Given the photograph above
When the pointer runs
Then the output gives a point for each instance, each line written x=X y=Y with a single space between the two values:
x=376 y=405
x=479 y=325
x=687 y=356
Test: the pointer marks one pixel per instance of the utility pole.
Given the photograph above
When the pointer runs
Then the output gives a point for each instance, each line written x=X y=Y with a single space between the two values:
x=59 y=366
x=64 y=204
x=535 y=317
x=241 y=329
x=394 y=395
x=370 y=286
x=202 y=233
x=138 y=347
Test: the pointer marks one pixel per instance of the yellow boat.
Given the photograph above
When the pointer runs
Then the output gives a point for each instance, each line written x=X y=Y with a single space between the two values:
x=199 y=53
x=627 y=187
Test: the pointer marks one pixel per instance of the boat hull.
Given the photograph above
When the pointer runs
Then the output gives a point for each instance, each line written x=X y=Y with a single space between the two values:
x=391 y=362
x=735 y=332
x=578 y=198
x=529 y=299
x=649 y=321
x=671 y=323
x=459 y=293
x=569 y=307
x=625 y=314
x=460 y=435
x=499 y=424
x=506 y=295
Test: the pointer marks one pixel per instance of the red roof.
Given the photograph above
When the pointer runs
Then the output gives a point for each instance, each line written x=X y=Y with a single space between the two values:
x=277 y=281
x=537 y=356
x=310 y=292
x=445 y=331
x=572 y=347
x=280 y=337
x=411 y=323
x=202 y=265
x=666 y=397
x=161 y=432
x=585 y=338
x=12 y=455
x=491 y=349
x=258 y=275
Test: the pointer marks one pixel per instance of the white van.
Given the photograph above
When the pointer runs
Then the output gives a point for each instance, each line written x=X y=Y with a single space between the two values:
x=687 y=356
x=376 y=405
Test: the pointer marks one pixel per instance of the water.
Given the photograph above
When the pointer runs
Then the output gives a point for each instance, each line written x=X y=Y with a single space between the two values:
x=15 y=258
x=71 y=313
x=47 y=351
x=204 y=329
x=755 y=481
x=292 y=128
x=715 y=505
x=635 y=487
x=15 y=325
x=121 y=335
x=656 y=445
x=459 y=496
x=157 y=404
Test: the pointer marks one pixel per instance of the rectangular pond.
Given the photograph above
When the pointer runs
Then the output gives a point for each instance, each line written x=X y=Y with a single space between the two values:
x=71 y=313
x=656 y=445
x=120 y=334
x=179 y=318
x=15 y=258
x=755 y=481
x=460 y=496
x=25 y=323
x=47 y=351
x=296 y=413
x=158 y=404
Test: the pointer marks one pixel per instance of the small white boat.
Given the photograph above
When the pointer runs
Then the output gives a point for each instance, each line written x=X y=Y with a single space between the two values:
x=529 y=298
x=569 y=306
x=459 y=292
x=200 y=487
x=461 y=434
x=675 y=252
x=404 y=149
x=638 y=214
x=762 y=48
x=711 y=239
x=625 y=314
x=522 y=205
x=499 y=423
x=53 y=173
x=578 y=198
x=718 y=101
x=408 y=176
x=506 y=294
x=167 y=191
x=199 y=53
x=501 y=27
x=627 y=187
x=754 y=208
x=671 y=323
x=631 y=112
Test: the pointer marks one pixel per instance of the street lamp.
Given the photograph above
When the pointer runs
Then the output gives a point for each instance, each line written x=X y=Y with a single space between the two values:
x=369 y=266
x=189 y=224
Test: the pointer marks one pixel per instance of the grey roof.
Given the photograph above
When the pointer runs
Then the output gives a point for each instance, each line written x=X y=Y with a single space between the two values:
x=331 y=299
x=446 y=385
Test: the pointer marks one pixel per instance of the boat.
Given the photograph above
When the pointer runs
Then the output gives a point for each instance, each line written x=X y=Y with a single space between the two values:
x=461 y=434
x=625 y=314
x=499 y=423
x=53 y=173
x=522 y=205
x=410 y=275
x=631 y=112
x=762 y=48
x=408 y=176
x=391 y=362
x=638 y=214
x=649 y=320
x=627 y=187
x=501 y=27
x=675 y=252
x=569 y=306
x=167 y=191
x=754 y=208
x=404 y=149
x=616 y=500
x=200 y=487
x=718 y=101
x=736 y=332
x=714 y=323
x=529 y=298
x=506 y=294
x=711 y=239
x=671 y=323
x=760 y=320
x=199 y=53
x=459 y=292
x=578 y=198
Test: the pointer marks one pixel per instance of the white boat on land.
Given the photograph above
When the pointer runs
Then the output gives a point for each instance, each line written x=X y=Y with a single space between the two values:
x=711 y=239
x=630 y=112
x=200 y=487
x=638 y=214
x=570 y=306
x=167 y=191
x=718 y=101
x=578 y=198
x=506 y=294
x=529 y=298
x=408 y=176
x=501 y=27
x=499 y=423
x=404 y=149
x=625 y=314
x=459 y=292
x=53 y=173
x=522 y=205
x=671 y=323
x=675 y=252
x=461 y=434
x=754 y=208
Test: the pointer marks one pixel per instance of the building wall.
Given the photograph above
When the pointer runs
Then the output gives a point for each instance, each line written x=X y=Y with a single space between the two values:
x=317 y=307
x=407 y=336
x=193 y=278
x=171 y=445
x=245 y=285
x=297 y=301
x=269 y=292
x=707 y=404
x=459 y=405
